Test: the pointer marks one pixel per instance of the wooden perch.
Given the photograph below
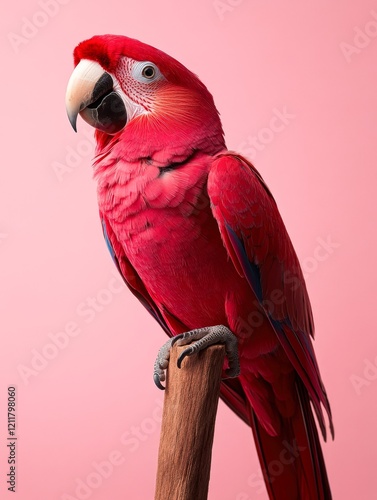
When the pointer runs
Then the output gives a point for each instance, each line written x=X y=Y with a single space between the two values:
x=188 y=424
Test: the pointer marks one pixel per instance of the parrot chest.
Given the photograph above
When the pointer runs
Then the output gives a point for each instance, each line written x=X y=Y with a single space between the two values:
x=182 y=263
x=168 y=233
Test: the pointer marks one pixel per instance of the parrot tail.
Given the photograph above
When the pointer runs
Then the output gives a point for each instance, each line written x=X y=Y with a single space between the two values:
x=292 y=462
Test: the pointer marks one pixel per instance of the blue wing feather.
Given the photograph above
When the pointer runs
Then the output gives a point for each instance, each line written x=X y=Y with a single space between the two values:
x=137 y=287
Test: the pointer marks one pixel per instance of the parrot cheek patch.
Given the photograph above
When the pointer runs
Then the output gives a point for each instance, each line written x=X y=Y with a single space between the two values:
x=109 y=115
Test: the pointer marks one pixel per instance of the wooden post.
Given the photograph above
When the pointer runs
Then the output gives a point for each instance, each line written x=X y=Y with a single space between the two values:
x=188 y=423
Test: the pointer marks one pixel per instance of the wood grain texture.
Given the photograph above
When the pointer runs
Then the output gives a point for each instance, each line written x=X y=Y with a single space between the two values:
x=188 y=423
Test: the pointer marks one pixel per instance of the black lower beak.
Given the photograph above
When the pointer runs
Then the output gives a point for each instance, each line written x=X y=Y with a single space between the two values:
x=106 y=110
x=108 y=113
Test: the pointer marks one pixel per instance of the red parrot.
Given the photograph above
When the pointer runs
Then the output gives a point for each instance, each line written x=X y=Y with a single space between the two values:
x=198 y=238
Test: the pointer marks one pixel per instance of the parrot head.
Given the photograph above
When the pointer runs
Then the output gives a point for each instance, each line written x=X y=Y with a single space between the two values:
x=127 y=89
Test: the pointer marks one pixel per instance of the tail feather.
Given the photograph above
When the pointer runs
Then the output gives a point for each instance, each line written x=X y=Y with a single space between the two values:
x=292 y=462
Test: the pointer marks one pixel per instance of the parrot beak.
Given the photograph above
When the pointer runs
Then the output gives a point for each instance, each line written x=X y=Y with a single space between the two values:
x=90 y=93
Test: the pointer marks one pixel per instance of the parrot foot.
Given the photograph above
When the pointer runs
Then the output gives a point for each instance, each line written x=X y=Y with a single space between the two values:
x=162 y=362
x=203 y=338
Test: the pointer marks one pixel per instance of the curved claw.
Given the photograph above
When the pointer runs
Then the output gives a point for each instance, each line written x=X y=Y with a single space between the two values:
x=186 y=352
x=161 y=363
x=157 y=381
x=203 y=338
x=177 y=337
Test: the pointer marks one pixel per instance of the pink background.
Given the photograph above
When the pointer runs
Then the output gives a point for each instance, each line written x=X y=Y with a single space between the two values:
x=82 y=407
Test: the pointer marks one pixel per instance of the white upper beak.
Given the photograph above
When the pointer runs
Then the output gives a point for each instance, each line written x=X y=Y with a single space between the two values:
x=80 y=88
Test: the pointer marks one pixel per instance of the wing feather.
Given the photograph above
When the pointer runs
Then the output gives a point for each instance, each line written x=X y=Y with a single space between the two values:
x=257 y=241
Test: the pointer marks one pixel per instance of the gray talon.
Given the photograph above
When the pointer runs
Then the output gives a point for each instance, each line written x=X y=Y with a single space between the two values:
x=198 y=339
x=177 y=337
x=156 y=379
x=186 y=352
x=205 y=337
x=161 y=363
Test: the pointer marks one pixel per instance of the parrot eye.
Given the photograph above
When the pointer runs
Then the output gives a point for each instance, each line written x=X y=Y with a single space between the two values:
x=146 y=72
